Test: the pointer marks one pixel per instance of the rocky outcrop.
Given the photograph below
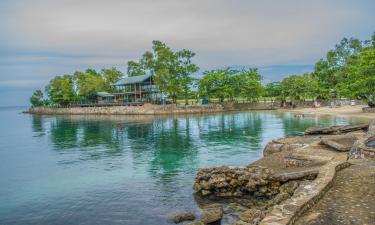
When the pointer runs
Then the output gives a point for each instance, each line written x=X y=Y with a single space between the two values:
x=288 y=144
x=253 y=180
x=342 y=143
x=335 y=129
x=181 y=217
x=212 y=214
x=294 y=174
x=146 y=109
x=362 y=147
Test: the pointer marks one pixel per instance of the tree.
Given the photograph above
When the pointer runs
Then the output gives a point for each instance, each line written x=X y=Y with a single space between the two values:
x=300 y=87
x=221 y=84
x=110 y=76
x=185 y=68
x=273 y=90
x=60 y=90
x=37 y=98
x=135 y=69
x=249 y=84
x=90 y=82
x=360 y=76
x=329 y=71
x=171 y=70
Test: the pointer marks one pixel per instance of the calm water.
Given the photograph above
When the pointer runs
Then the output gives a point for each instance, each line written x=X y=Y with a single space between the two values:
x=121 y=169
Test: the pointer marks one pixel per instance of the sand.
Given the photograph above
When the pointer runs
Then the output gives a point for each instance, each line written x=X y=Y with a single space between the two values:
x=343 y=111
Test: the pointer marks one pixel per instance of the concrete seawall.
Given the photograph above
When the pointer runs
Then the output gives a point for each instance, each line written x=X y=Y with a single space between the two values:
x=149 y=109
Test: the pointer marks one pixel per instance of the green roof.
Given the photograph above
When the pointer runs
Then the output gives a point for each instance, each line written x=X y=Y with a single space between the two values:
x=133 y=80
x=104 y=94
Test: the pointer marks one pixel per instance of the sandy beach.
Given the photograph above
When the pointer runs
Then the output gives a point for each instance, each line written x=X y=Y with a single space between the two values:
x=345 y=111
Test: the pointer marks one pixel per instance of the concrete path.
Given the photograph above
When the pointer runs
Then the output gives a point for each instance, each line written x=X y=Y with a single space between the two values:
x=351 y=200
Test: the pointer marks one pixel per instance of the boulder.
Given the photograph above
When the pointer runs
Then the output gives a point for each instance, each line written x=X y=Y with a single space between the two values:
x=181 y=217
x=335 y=129
x=211 y=215
x=252 y=216
x=196 y=223
x=342 y=143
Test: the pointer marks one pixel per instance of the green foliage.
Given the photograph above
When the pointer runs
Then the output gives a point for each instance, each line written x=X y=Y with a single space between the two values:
x=171 y=70
x=37 y=98
x=60 y=90
x=90 y=82
x=330 y=71
x=347 y=71
x=273 y=89
x=249 y=84
x=300 y=87
x=229 y=83
x=360 y=76
x=135 y=69
x=63 y=90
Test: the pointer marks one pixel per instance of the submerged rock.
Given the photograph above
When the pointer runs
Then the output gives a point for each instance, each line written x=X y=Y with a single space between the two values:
x=183 y=217
x=212 y=214
x=252 y=216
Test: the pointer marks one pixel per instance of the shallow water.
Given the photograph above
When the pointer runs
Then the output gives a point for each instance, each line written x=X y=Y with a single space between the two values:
x=123 y=169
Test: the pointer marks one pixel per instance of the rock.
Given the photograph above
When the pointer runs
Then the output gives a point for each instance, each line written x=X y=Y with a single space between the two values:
x=289 y=187
x=183 y=217
x=211 y=215
x=275 y=146
x=287 y=144
x=240 y=222
x=342 y=143
x=335 y=129
x=196 y=223
x=252 y=216
x=282 y=196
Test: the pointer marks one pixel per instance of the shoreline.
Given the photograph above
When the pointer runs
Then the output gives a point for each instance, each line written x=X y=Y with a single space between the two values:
x=149 y=109
x=294 y=174
x=343 y=111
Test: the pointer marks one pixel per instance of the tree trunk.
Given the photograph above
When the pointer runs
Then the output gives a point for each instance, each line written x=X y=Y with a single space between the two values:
x=186 y=96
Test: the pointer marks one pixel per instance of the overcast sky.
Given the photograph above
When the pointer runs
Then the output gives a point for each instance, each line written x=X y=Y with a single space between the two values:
x=40 y=39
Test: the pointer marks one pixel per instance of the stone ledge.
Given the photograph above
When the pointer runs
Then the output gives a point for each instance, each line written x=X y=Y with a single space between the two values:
x=306 y=195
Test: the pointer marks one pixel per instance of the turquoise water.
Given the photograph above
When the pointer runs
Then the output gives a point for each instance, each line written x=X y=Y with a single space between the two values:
x=123 y=169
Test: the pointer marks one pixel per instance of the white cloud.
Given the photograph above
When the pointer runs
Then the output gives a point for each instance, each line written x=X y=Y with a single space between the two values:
x=219 y=31
x=22 y=83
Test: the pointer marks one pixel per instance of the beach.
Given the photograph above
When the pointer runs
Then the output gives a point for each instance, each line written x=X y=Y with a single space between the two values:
x=342 y=111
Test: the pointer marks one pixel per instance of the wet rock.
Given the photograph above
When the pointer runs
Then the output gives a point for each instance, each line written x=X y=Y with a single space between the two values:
x=342 y=143
x=233 y=182
x=183 y=217
x=275 y=146
x=289 y=187
x=252 y=216
x=196 y=223
x=212 y=214
x=335 y=129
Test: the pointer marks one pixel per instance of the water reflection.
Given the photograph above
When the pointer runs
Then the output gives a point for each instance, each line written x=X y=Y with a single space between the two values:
x=124 y=169
x=168 y=144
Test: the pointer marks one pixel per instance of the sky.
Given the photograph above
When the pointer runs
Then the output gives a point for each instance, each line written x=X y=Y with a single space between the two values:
x=40 y=39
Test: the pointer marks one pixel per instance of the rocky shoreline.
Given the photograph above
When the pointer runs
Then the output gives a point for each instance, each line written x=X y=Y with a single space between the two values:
x=293 y=175
x=150 y=109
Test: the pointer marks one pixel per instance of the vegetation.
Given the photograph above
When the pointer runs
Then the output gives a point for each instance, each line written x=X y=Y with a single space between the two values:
x=171 y=70
x=229 y=84
x=81 y=86
x=347 y=71
x=37 y=98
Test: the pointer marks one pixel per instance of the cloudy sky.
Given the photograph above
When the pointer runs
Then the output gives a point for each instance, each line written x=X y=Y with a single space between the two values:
x=40 y=39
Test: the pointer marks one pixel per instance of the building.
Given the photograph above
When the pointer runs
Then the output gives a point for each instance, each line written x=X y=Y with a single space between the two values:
x=137 y=89
x=104 y=97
